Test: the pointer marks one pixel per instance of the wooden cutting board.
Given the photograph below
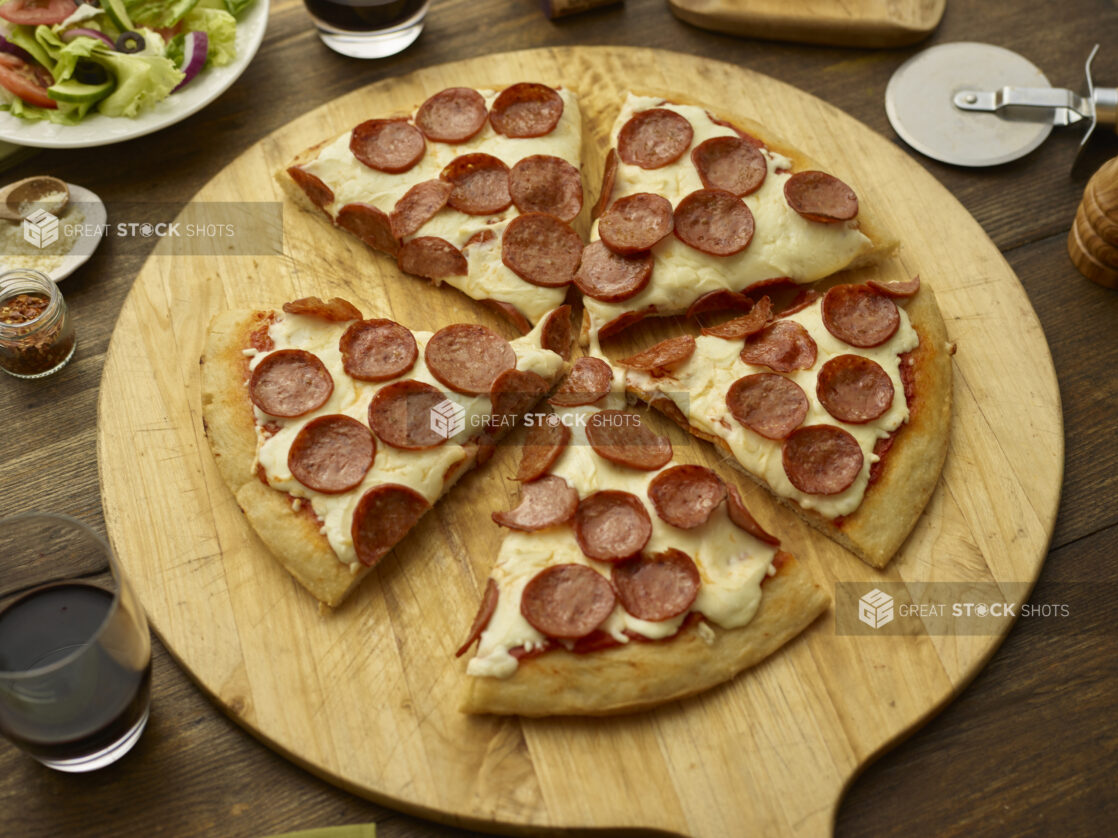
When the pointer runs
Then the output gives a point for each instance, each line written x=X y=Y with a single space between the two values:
x=365 y=697
x=852 y=23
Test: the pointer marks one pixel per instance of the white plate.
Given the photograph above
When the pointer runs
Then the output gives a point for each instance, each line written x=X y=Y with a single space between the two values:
x=96 y=129
x=93 y=208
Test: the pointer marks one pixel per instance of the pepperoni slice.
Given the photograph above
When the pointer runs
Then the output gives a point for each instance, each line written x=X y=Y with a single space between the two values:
x=684 y=496
x=545 y=441
x=383 y=516
x=335 y=311
x=481 y=184
x=818 y=196
x=400 y=414
x=318 y=192
x=567 y=601
x=720 y=300
x=483 y=616
x=418 y=206
x=854 y=389
x=453 y=115
x=431 y=257
x=611 y=526
x=589 y=380
x=656 y=588
x=387 y=145
x=858 y=315
x=609 y=174
x=622 y=321
x=897 y=288
x=747 y=324
x=620 y=437
x=290 y=382
x=654 y=138
x=768 y=404
x=782 y=346
x=730 y=163
x=635 y=223
x=714 y=221
x=821 y=459
x=662 y=357
x=743 y=519
x=331 y=454
x=513 y=394
x=803 y=299
x=526 y=109
x=543 y=183
x=555 y=334
x=541 y=249
x=377 y=350
x=547 y=502
x=509 y=311
x=370 y=225
x=610 y=277
x=479 y=238
x=467 y=357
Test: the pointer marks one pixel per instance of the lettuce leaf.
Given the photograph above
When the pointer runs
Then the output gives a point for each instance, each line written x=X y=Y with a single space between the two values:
x=221 y=30
x=158 y=13
x=141 y=81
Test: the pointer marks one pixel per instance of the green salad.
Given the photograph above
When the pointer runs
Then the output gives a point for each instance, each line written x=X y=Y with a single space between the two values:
x=61 y=60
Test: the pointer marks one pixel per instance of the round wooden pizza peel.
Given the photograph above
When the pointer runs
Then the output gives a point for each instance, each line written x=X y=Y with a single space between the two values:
x=366 y=697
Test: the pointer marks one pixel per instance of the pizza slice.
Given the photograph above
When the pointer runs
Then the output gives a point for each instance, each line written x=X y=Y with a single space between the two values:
x=477 y=189
x=336 y=433
x=626 y=579
x=840 y=405
x=695 y=210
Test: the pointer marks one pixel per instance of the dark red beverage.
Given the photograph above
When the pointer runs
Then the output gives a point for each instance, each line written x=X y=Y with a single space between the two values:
x=364 y=15
x=84 y=707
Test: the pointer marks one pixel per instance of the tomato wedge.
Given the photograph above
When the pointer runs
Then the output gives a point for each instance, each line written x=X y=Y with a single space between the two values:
x=24 y=81
x=36 y=12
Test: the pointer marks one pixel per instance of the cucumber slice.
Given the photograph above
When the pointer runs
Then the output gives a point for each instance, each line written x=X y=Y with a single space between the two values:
x=117 y=14
x=75 y=92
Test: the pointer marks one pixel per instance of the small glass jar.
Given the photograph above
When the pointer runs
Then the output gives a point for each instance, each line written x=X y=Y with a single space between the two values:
x=36 y=335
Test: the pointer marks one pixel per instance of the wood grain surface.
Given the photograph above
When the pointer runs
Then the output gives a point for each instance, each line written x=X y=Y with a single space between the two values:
x=367 y=696
x=1026 y=749
x=855 y=23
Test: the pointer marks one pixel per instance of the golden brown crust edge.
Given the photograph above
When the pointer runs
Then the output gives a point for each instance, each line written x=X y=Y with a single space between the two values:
x=639 y=675
x=894 y=503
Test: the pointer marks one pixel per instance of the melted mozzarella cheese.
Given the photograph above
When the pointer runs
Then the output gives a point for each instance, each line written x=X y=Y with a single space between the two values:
x=698 y=387
x=423 y=471
x=784 y=243
x=488 y=277
x=732 y=564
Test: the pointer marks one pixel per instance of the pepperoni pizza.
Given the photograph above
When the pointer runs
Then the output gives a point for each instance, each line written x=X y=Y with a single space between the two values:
x=840 y=405
x=336 y=433
x=626 y=579
x=695 y=210
x=477 y=189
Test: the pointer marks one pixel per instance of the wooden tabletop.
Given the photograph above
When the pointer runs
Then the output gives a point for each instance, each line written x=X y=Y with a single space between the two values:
x=1028 y=748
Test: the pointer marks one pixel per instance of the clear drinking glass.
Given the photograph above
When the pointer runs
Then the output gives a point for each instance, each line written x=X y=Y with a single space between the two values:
x=368 y=28
x=75 y=651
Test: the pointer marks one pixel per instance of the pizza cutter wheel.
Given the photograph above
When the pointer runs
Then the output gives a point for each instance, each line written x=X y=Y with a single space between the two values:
x=975 y=104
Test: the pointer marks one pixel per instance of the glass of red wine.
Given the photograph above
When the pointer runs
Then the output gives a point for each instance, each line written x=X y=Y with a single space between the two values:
x=368 y=28
x=75 y=651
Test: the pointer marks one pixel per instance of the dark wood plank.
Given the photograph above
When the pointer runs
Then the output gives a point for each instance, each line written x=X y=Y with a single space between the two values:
x=1028 y=746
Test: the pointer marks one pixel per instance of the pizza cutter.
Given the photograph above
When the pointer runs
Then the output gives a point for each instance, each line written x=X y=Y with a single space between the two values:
x=975 y=104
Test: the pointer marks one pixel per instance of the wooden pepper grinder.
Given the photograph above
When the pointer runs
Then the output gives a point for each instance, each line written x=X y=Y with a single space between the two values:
x=1093 y=239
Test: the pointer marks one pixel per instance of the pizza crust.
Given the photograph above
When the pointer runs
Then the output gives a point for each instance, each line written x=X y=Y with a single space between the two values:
x=895 y=501
x=640 y=675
